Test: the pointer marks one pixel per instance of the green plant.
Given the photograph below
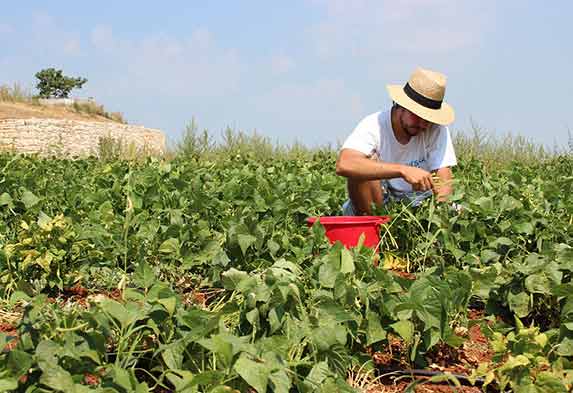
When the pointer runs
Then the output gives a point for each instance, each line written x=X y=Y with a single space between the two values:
x=526 y=361
x=53 y=83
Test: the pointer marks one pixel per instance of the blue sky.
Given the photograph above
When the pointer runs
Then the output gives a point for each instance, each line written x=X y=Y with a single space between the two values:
x=303 y=70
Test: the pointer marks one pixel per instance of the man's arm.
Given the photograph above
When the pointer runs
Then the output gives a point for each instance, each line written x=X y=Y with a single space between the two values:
x=354 y=164
x=443 y=185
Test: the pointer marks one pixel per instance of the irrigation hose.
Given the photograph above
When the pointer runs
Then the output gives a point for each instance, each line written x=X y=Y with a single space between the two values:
x=464 y=379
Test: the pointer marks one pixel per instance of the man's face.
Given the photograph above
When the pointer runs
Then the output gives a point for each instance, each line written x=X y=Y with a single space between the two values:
x=412 y=124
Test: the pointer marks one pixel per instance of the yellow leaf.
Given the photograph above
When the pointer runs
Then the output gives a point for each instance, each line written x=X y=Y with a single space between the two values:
x=393 y=262
x=541 y=339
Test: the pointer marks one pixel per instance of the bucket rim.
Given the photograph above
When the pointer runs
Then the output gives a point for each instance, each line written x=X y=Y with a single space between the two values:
x=348 y=220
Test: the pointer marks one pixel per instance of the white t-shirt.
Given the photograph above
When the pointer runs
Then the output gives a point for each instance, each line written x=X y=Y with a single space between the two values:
x=430 y=150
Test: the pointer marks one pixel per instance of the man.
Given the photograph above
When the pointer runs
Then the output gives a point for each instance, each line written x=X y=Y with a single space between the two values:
x=405 y=152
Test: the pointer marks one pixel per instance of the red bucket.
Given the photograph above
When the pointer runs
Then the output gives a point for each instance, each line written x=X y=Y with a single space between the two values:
x=347 y=229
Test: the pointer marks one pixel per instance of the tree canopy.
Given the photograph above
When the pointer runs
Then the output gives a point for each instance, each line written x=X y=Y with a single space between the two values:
x=53 y=83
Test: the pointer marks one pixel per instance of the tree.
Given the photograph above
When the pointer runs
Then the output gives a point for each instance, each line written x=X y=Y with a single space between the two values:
x=53 y=84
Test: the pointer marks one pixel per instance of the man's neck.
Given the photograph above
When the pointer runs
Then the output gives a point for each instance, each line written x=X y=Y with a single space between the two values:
x=401 y=136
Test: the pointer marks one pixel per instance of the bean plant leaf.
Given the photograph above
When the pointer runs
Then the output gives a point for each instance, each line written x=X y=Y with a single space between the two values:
x=53 y=375
x=375 y=331
x=6 y=200
x=232 y=277
x=405 y=329
x=245 y=241
x=254 y=373
x=8 y=384
x=524 y=228
x=144 y=276
x=19 y=362
x=123 y=378
x=327 y=273
x=173 y=354
x=169 y=303
x=170 y=246
x=317 y=375
x=280 y=381
x=545 y=382
x=538 y=283
x=29 y=199
x=565 y=347
x=117 y=311
x=346 y=261
x=519 y=304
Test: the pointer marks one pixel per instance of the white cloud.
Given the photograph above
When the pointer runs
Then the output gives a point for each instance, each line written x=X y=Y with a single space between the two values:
x=323 y=110
x=375 y=28
x=281 y=64
x=164 y=65
x=102 y=37
x=6 y=29
x=201 y=38
x=42 y=20
x=72 y=46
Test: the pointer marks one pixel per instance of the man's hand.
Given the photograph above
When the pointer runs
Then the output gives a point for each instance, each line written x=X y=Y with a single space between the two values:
x=420 y=179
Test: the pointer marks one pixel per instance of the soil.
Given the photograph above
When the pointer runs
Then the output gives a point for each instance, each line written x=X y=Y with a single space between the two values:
x=10 y=331
x=19 y=110
x=442 y=358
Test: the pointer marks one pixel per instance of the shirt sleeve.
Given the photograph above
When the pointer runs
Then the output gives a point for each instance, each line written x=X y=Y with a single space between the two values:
x=440 y=149
x=365 y=137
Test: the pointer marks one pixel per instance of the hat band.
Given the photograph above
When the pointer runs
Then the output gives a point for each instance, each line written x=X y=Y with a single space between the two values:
x=420 y=99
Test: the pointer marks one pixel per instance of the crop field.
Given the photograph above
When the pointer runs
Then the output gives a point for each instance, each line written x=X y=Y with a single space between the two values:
x=198 y=273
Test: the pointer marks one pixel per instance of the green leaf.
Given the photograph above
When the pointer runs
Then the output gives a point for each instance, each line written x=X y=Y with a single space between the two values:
x=144 y=276
x=519 y=303
x=274 y=320
x=254 y=373
x=526 y=228
x=6 y=200
x=513 y=362
x=327 y=273
x=123 y=378
x=183 y=381
x=565 y=347
x=280 y=382
x=19 y=362
x=273 y=246
x=327 y=335
x=232 y=277
x=172 y=354
x=29 y=199
x=501 y=241
x=53 y=375
x=169 y=303
x=374 y=332
x=489 y=255
x=317 y=375
x=538 y=283
x=117 y=311
x=346 y=261
x=405 y=329
x=225 y=345
x=170 y=246
x=545 y=382
x=44 y=221
x=245 y=241
x=8 y=384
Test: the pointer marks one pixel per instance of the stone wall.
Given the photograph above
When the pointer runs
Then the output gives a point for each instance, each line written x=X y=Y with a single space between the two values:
x=75 y=138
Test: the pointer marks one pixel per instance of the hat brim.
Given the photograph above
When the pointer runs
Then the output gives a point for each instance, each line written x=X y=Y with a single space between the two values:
x=443 y=116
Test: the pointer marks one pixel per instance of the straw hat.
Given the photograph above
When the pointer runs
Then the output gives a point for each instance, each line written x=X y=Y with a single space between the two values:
x=423 y=95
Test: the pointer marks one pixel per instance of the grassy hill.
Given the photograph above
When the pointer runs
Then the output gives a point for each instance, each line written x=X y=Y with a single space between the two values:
x=17 y=103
